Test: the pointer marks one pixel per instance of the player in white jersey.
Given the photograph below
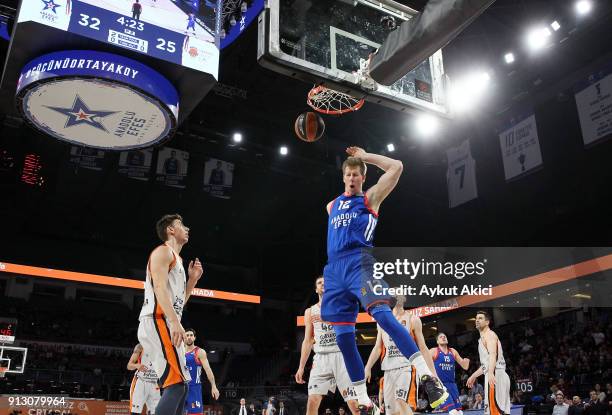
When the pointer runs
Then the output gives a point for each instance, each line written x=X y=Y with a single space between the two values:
x=493 y=366
x=400 y=383
x=328 y=370
x=144 y=389
x=160 y=331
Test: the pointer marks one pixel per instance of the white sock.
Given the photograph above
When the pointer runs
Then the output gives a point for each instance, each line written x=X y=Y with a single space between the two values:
x=453 y=412
x=362 y=394
x=421 y=366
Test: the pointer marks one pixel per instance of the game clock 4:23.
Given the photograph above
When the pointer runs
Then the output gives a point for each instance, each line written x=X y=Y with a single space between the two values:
x=126 y=32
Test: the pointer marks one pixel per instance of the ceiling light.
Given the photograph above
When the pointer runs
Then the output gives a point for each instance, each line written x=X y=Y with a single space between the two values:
x=467 y=90
x=583 y=7
x=426 y=125
x=538 y=38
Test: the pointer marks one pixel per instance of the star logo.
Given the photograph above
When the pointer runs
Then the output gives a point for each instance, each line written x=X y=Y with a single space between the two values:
x=50 y=5
x=80 y=113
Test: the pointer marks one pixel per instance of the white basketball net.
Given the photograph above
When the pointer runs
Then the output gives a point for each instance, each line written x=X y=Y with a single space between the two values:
x=329 y=101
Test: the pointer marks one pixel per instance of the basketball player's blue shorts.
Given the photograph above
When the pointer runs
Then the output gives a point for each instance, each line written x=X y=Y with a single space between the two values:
x=349 y=282
x=453 y=401
x=193 y=402
x=190 y=25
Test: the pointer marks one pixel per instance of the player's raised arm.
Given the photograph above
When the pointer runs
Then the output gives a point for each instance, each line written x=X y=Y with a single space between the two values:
x=464 y=363
x=387 y=182
x=307 y=344
x=374 y=354
x=161 y=259
x=133 y=362
x=209 y=373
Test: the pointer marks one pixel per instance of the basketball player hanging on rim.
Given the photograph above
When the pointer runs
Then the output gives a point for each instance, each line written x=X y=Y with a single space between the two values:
x=400 y=382
x=493 y=365
x=196 y=360
x=144 y=389
x=328 y=369
x=160 y=331
x=348 y=274
x=444 y=358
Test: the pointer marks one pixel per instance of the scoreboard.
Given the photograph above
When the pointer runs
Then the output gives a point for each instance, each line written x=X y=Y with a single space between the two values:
x=183 y=33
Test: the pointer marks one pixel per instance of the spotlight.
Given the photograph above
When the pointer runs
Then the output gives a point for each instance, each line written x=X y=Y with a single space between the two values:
x=509 y=57
x=390 y=147
x=427 y=125
x=537 y=38
x=284 y=151
x=583 y=7
x=232 y=21
x=237 y=137
x=465 y=93
x=555 y=25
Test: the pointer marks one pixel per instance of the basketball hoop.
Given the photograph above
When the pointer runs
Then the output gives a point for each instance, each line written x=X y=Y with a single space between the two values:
x=332 y=102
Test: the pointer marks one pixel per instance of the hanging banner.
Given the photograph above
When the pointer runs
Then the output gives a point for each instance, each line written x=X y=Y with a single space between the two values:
x=594 y=103
x=87 y=158
x=520 y=147
x=461 y=175
x=218 y=178
x=136 y=164
x=172 y=167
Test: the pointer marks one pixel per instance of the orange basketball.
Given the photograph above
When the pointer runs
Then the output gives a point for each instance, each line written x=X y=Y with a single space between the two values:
x=309 y=126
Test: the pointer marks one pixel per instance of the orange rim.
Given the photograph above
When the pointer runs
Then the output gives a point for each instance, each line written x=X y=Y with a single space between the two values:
x=336 y=96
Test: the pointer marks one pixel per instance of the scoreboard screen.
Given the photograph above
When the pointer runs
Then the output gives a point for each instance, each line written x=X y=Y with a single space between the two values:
x=184 y=32
x=7 y=330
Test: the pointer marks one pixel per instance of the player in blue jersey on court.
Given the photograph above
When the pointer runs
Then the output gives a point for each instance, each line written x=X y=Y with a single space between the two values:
x=444 y=359
x=191 y=21
x=349 y=273
x=196 y=359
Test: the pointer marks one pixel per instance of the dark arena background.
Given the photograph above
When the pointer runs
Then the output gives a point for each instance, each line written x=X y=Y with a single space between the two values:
x=114 y=113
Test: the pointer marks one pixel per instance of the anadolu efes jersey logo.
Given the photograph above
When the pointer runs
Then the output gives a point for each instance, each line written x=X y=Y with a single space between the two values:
x=97 y=100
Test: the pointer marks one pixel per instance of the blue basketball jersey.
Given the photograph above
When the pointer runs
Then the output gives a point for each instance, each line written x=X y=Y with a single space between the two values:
x=351 y=225
x=445 y=366
x=194 y=365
